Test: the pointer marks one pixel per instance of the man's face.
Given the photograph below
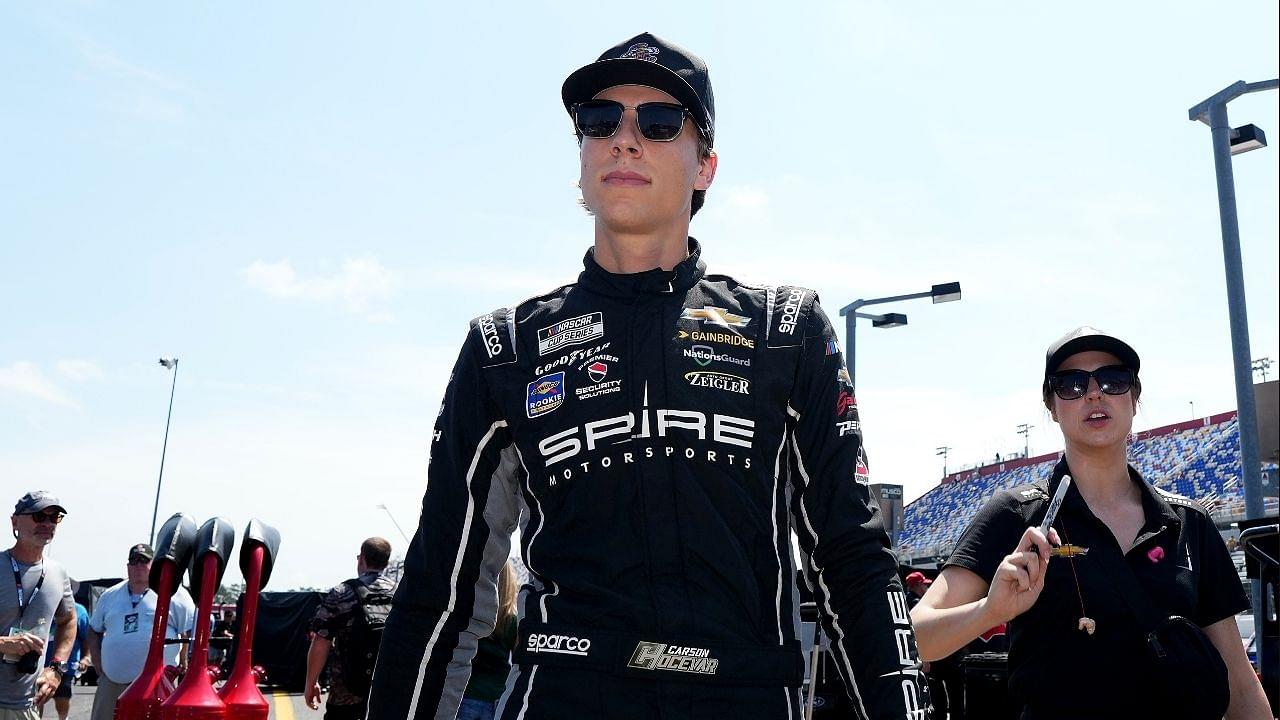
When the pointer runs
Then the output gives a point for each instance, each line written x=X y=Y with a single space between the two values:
x=36 y=528
x=634 y=185
x=139 y=569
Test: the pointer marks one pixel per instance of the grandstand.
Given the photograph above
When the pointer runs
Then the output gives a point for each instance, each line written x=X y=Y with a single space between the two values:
x=1198 y=458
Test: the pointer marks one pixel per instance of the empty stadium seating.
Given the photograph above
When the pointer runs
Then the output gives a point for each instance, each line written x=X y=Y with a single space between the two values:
x=1201 y=461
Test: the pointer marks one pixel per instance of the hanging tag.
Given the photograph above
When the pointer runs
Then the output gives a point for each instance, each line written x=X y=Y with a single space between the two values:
x=1087 y=625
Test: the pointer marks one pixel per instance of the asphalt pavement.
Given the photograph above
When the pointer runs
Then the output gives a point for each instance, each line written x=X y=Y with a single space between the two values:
x=283 y=706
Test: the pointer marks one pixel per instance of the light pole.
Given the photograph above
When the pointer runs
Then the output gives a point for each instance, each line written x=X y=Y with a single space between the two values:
x=1025 y=431
x=1192 y=403
x=172 y=364
x=386 y=509
x=1228 y=142
x=1262 y=365
x=946 y=292
x=943 y=452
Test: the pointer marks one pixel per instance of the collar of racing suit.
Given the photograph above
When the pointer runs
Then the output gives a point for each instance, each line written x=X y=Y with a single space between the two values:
x=656 y=281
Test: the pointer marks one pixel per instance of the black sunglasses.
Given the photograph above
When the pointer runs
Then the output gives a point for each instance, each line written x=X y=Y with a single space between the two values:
x=138 y=560
x=1073 y=384
x=658 y=121
x=41 y=516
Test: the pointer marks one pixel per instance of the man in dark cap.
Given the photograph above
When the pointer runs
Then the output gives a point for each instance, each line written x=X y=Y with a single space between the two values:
x=40 y=597
x=120 y=630
x=656 y=432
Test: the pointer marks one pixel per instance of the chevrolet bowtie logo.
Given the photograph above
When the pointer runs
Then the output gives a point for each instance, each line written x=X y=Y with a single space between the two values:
x=715 y=316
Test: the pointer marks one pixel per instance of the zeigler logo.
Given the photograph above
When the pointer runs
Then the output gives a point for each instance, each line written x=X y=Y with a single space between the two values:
x=719 y=381
x=675 y=658
x=562 y=644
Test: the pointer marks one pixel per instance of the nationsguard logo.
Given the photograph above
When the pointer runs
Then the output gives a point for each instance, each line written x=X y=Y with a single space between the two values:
x=719 y=381
x=715 y=316
x=704 y=355
x=674 y=658
x=545 y=394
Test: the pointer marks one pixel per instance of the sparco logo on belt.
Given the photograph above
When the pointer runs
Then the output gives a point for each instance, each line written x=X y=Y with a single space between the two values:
x=791 y=311
x=563 y=644
x=489 y=333
x=573 y=331
x=675 y=658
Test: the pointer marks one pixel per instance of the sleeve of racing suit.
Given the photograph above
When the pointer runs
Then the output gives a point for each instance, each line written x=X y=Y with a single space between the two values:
x=853 y=571
x=447 y=597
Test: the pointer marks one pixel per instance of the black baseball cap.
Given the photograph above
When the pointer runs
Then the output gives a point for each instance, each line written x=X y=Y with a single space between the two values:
x=35 y=501
x=651 y=61
x=142 y=550
x=1086 y=338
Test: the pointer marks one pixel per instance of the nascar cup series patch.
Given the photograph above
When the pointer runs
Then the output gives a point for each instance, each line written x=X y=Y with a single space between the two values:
x=545 y=394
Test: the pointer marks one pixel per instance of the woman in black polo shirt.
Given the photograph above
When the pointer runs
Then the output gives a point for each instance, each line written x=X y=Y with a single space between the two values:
x=1077 y=649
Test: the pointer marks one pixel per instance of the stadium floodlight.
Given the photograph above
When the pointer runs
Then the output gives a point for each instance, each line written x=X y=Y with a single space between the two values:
x=946 y=292
x=1246 y=138
x=943 y=452
x=1213 y=112
x=170 y=363
x=889 y=320
x=941 y=293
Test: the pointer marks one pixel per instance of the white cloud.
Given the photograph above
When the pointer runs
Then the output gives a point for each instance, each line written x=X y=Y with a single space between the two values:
x=25 y=378
x=360 y=282
x=79 y=370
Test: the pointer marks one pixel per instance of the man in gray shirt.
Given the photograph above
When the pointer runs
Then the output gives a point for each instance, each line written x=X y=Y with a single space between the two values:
x=40 y=595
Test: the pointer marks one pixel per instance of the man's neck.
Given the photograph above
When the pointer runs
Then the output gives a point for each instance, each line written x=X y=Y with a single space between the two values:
x=138 y=588
x=27 y=554
x=1102 y=476
x=624 y=253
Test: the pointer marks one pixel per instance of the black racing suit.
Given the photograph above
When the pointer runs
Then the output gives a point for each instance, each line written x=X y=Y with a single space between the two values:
x=657 y=438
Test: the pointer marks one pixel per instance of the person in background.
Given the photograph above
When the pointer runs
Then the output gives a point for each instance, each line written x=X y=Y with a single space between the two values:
x=1076 y=646
x=331 y=633
x=62 y=696
x=39 y=597
x=492 y=662
x=120 y=630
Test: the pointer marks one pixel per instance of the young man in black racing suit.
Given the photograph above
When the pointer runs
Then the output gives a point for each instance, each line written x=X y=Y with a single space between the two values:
x=656 y=433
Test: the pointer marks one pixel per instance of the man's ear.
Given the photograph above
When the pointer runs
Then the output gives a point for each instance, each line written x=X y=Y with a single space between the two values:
x=706 y=171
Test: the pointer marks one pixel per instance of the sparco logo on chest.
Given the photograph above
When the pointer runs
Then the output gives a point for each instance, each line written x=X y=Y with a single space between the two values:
x=791 y=311
x=573 y=331
x=489 y=333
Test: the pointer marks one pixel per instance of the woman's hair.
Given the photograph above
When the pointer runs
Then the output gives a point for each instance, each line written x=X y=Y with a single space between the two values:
x=508 y=586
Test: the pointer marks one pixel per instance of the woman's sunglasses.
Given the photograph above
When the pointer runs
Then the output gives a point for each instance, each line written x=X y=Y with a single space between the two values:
x=1073 y=384
x=658 y=121
x=44 y=517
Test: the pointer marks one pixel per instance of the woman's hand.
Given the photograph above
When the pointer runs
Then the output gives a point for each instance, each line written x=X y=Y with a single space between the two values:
x=1020 y=576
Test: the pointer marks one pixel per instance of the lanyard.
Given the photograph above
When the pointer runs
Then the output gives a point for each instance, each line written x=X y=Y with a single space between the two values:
x=17 y=581
x=133 y=602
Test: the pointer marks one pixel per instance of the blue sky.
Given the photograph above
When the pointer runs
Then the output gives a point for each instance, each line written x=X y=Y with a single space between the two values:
x=305 y=202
